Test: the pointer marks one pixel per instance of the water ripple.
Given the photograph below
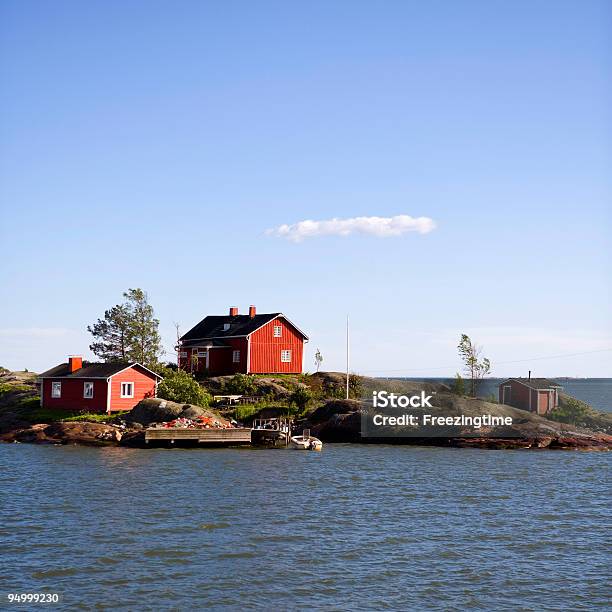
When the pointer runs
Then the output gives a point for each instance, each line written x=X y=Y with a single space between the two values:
x=352 y=528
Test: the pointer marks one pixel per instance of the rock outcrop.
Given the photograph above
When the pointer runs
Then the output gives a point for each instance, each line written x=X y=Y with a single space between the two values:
x=86 y=433
x=342 y=420
x=158 y=411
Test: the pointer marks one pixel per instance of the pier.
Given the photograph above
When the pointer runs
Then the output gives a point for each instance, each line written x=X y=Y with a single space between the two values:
x=265 y=432
x=212 y=437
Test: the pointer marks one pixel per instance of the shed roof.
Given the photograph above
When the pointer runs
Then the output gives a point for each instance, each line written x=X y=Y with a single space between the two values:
x=91 y=370
x=535 y=383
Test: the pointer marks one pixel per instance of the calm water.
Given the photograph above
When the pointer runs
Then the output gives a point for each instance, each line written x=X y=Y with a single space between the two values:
x=353 y=527
x=594 y=391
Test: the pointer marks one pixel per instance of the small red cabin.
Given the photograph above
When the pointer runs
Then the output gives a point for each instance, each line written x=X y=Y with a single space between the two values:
x=538 y=395
x=247 y=344
x=96 y=387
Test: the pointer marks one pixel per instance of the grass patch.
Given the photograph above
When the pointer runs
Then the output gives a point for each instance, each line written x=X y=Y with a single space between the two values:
x=11 y=388
x=95 y=417
x=44 y=415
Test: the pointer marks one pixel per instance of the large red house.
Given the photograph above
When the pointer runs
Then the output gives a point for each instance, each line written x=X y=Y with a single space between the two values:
x=538 y=395
x=96 y=387
x=248 y=344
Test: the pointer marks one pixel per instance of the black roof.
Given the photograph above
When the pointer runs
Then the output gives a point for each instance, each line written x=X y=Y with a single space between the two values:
x=240 y=325
x=89 y=370
x=536 y=383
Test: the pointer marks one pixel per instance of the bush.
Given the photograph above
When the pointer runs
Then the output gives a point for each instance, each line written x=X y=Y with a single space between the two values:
x=180 y=386
x=571 y=411
x=356 y=388
x=458 y=385
x=240 y=384
x=300 y=397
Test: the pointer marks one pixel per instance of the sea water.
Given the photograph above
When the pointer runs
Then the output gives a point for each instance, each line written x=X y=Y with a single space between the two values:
x=354 y=527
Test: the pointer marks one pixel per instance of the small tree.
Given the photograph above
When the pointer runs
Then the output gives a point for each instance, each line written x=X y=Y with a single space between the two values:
x=318 y=359
x=180 y=386
x=475 y=367
x=458 y=386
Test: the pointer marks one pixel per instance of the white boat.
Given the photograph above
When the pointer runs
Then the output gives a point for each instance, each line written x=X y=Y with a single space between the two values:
x=306 y=442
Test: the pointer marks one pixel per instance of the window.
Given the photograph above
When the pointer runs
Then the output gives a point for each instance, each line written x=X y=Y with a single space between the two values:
x=183 y=354
x=56 y=389
x=286 y=356
x=201 y=352
x=236 y=356
x=127 y=389
x=226 y=326
x=88 y=390
x=278 y=330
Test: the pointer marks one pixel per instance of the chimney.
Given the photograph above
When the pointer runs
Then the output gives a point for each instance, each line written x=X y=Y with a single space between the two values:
x=252 y=311
x=75 y=362
x=529 y=374
x=233 y=311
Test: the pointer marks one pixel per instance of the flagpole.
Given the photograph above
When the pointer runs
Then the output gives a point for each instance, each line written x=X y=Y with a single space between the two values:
x=347 y=357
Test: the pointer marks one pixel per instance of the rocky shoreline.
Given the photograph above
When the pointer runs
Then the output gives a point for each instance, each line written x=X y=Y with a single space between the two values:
x=337 y=421
x=333 y=420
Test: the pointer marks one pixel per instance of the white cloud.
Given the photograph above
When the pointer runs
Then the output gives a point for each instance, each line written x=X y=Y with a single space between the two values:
x=381 y=227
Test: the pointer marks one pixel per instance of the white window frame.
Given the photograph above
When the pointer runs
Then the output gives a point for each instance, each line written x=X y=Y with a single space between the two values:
x=226 y=326
x=278 y=331
x=236 y=356
x=56 y=389
x=183 y=354
x=286 y=356
x=201 y=353
x=125 y=395
x=88 y=385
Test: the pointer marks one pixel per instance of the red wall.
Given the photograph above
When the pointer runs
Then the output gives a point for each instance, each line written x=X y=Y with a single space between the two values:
x=72 y=395
x=144 y=386
x=72 y=392
x=220 y=359
x=541 y=401
x=266 y=349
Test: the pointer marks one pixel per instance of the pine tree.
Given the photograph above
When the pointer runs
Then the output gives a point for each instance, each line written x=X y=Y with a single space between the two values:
x=128 y=332
x=144 y=342
x=111 y=335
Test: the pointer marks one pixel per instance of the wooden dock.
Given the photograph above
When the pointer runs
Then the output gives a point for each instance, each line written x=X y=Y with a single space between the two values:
x=213 y=437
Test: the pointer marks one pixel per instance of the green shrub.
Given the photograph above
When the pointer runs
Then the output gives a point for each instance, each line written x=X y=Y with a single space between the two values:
x=244 y=412
x=458 y=385
x=180 y=386
x=570 y=411
x=300 y=398
x=240 y=384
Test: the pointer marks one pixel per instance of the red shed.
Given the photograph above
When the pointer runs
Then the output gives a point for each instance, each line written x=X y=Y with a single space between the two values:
x=246 y=344
x=538 y=395
x=96 y=387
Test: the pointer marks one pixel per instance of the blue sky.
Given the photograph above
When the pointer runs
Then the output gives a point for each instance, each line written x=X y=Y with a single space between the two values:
x=152 y=144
